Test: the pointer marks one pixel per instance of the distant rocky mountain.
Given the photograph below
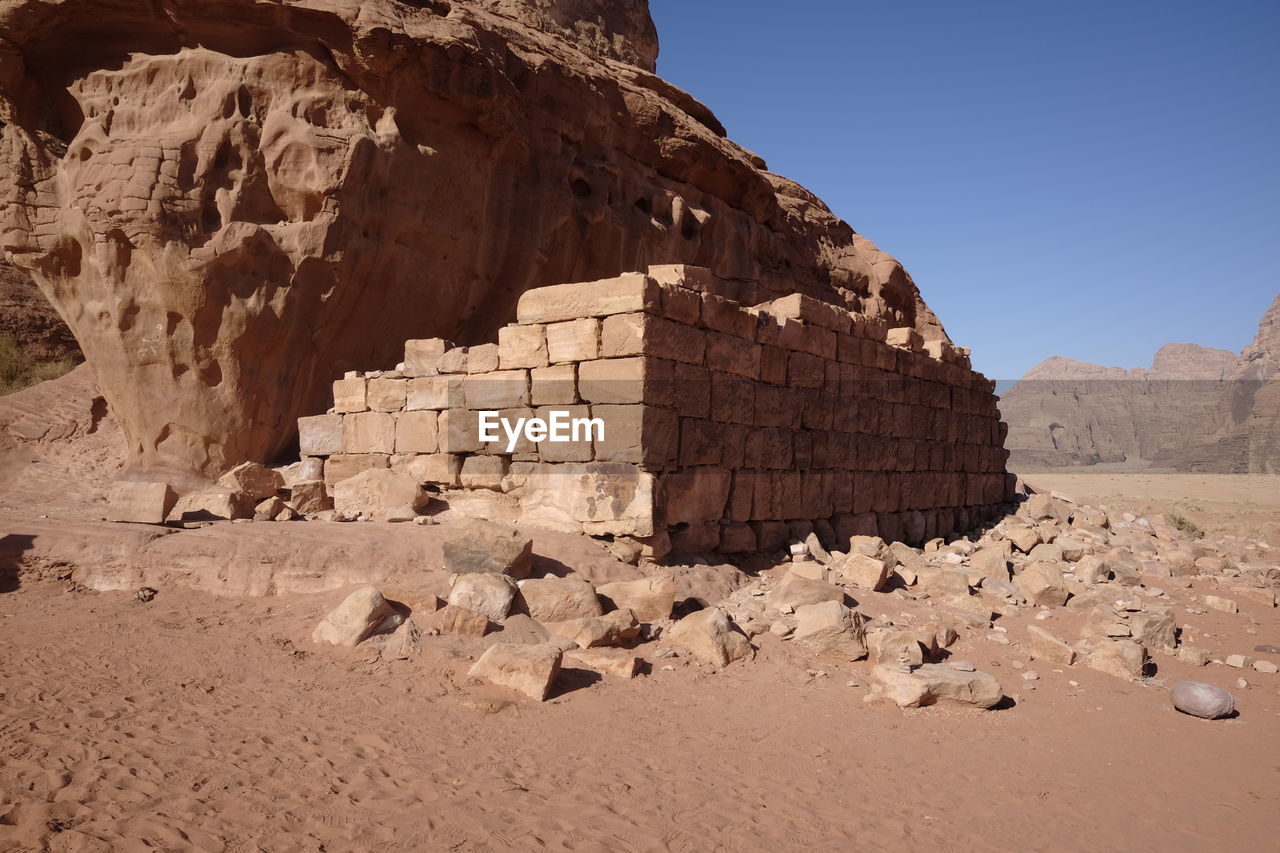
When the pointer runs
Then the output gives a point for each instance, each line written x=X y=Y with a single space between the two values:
x=1194 y=409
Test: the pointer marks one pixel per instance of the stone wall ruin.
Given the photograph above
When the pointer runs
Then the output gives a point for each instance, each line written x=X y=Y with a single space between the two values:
x=727 y=428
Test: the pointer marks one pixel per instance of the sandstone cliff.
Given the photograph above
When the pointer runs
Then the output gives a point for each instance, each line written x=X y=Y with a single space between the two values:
x=1194 y=409
x=234 y=201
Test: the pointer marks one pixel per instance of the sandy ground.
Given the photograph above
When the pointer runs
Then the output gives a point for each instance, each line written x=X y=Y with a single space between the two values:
x=209 y=722
x=1244 y=505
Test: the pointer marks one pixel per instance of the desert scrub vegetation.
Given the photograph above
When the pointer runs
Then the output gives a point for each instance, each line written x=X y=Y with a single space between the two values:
x=18 y=371
x=1184 y=524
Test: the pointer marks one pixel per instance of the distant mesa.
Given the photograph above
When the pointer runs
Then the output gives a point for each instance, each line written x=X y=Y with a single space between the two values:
x=1195 y=409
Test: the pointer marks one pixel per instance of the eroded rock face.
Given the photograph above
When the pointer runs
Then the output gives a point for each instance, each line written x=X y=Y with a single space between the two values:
x=234 y=202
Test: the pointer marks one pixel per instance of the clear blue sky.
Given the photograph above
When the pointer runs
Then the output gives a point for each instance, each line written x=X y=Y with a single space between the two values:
x=1089 y=179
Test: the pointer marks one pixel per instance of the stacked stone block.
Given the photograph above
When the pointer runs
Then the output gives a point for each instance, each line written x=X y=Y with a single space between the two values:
x=737 y=427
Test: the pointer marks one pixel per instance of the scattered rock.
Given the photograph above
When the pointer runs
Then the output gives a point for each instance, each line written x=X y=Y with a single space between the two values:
x=1193 y=655
x=379 y=493
x=709 y=636
x=606 y=661
x=895 y=647
x=484 y=546
x=831 y=628
x=1239 y=661
x=268 y=509
x=141 y=503
x=405 y=643
x=213 y=504
x=526 y=669
x=1120 y=658
x=1046 y=646
x=930 y=683
x=611 y=629
x=796 y=591
x=863 y=571
x=1226 y=605
x=483 y=592
x=1266 y=666
x=250 y=478
x=521 y=628
x=354 y=619
x=650 y=599
x=1202 y=700
x=555 y=599
x=1154 y=629
x=1043 y=585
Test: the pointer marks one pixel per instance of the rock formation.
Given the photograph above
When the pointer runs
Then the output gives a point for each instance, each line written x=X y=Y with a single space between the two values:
x=234 y=202
x=1195 y=409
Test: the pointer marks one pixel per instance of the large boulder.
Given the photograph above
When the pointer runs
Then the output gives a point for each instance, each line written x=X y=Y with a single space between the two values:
x=559 y=599
x=484 y=546
x=527 y=669
x=650 y=599
x=230 y=209
x=709 y=636
x=1123 y=659
x=831 y=628
x=354 y=619
x=1202 y=700
x=379 y=493
x=1043 y=585
x=486 y=593
x=253 y=479
x=915 y=687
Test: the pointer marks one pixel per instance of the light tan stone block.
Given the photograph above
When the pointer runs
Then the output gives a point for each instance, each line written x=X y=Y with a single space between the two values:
x=629 y=292
x=556 y=385
x=320 y=435
x=369 y=432
x=905 y=338
x=639 y=434
x=483 y=358
x=483 y=472
x=349 y=395
x=798 y=306
x=421 y=357
x=434 y=392
x=416 y=432
x=573 y=340
x=143 y=503
x=522 y=346
x=625 y=380
x=643 y=334
x=590 y=497
x=502 y=389
x=343 y=465
x=566 y=451
x=459 y=431
x=387 y=395
x=434 y=468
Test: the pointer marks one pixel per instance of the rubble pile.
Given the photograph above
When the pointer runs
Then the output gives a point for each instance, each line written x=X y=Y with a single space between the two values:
x=1066 y=588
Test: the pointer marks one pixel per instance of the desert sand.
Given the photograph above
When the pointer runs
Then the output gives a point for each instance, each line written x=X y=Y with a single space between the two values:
x=207 y=722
